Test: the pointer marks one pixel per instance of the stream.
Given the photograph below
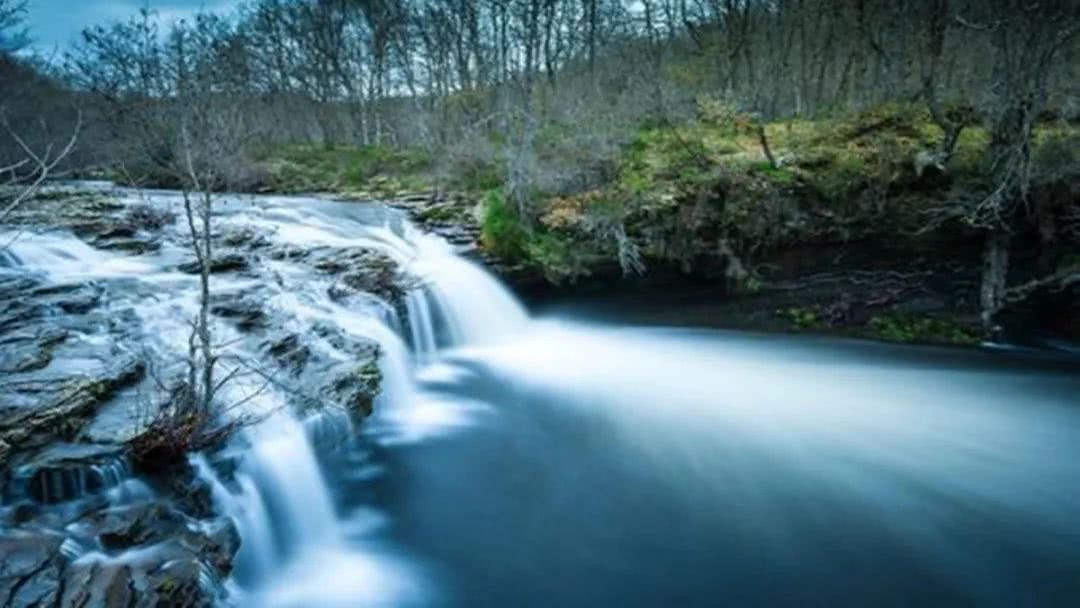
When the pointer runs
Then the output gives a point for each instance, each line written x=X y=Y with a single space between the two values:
x=565 y=460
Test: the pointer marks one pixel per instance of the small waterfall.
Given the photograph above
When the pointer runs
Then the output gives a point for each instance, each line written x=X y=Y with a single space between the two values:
x=421 y=324
x=477 y=309
x=294 y=551
x=474 y=307
x=64 y=257
x=65 y=481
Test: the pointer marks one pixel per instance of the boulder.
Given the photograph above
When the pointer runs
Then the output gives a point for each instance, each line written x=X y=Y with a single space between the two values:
x=65 y=471
x=223 y=262
x=356 y=388
x=243 y=310
x=60 y=407
x=289 y=351
x=364 y=270
x=31 y=568
x=29 y=350
x=243 y=237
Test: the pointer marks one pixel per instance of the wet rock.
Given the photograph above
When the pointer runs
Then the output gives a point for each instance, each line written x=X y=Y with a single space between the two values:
x=106 y=228
x=31 y=568
x=128 y=526
x=289 y=351
x=243 y=310
x=136 y=246
x=59 y=407
x=357 y=388
x=72 y=298
x=65 y=471
x=29 y=350
x=169 y=575
x=364 y=270
x=224 y=262
x=243 y=237
x=290 y=252
x=359 y=348
x=148 y=217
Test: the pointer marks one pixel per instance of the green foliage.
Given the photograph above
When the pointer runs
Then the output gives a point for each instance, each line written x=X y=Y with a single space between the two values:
x=779 y=175
x=920 y=329
x=841 y=176
x=307 y=168
x=478 y=177
x=802 y=318
x=558 y=258
x=502 y=232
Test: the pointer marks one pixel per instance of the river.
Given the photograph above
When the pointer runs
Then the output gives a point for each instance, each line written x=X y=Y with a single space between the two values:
x=518 y=460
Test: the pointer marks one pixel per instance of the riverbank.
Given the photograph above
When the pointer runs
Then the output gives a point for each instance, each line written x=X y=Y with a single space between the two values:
x=844 y=225
x=316 y=300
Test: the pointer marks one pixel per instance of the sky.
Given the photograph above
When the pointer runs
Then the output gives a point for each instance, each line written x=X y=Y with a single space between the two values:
x=56 y=23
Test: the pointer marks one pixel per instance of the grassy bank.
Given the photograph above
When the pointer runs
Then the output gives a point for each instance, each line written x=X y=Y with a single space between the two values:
x=704 y=198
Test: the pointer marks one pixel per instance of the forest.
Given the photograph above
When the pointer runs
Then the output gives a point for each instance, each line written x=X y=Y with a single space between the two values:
x=540 y=302
x=706 y=135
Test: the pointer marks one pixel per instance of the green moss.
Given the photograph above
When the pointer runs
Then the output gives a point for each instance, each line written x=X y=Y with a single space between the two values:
x=920 y=329
x=305 y=168
x=477 y=177
x=446 y=212
x=779 y=175
x=841 y=176
x=358 y=388
x=502 y=232
x=801 y=319
x=560 y=259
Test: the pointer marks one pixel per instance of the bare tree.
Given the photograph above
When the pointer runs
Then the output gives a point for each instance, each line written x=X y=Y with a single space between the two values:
x=21 y=180
x=13 y=33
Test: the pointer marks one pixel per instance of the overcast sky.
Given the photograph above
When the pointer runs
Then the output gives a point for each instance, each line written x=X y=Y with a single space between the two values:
x=55 y=23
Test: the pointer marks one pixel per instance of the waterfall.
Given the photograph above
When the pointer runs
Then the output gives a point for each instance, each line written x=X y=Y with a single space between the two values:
x=64 y=257
x=294 y=550
x=474 y=307
x=292 y=536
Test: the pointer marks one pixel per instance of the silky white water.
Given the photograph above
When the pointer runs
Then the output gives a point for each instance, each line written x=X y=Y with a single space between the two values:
x=515 y=461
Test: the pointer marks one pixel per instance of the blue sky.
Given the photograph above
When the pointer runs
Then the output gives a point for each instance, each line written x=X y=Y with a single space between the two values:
x=55 y=23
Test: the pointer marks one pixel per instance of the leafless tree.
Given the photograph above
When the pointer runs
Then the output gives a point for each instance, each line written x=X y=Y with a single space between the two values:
x=13 y=33
x=22 y=179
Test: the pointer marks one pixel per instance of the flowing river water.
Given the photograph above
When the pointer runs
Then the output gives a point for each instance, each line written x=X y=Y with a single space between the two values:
x=552 y=461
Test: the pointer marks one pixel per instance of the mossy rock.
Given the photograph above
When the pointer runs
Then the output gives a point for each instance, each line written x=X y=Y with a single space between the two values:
x=357 y=388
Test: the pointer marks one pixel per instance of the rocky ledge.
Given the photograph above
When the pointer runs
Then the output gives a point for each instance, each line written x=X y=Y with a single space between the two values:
x=80 y=524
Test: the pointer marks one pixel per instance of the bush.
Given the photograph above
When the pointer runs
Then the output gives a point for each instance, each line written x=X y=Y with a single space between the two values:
x=559 y=259
x=802 y=318
x=502 y=233
x=921 y=329
x=167 y=441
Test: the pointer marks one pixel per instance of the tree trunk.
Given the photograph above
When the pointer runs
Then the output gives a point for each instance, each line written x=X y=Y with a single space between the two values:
x=205 y=337
x=994 y=283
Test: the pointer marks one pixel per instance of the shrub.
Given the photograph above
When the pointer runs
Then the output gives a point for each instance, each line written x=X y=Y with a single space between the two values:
x=502 y=233
x=558 y=258
x=913 y=328
x=801 y=318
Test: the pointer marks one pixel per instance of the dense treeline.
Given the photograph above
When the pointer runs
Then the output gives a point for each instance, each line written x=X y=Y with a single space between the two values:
x=539 y=97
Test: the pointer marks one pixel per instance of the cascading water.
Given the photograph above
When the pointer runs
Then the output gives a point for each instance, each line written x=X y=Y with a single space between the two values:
x=609 y=465
x=293 y=551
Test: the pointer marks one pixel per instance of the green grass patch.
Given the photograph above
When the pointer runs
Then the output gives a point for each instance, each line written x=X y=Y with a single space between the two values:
x=305 y=168
x=920 y=329
x=779 y=175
